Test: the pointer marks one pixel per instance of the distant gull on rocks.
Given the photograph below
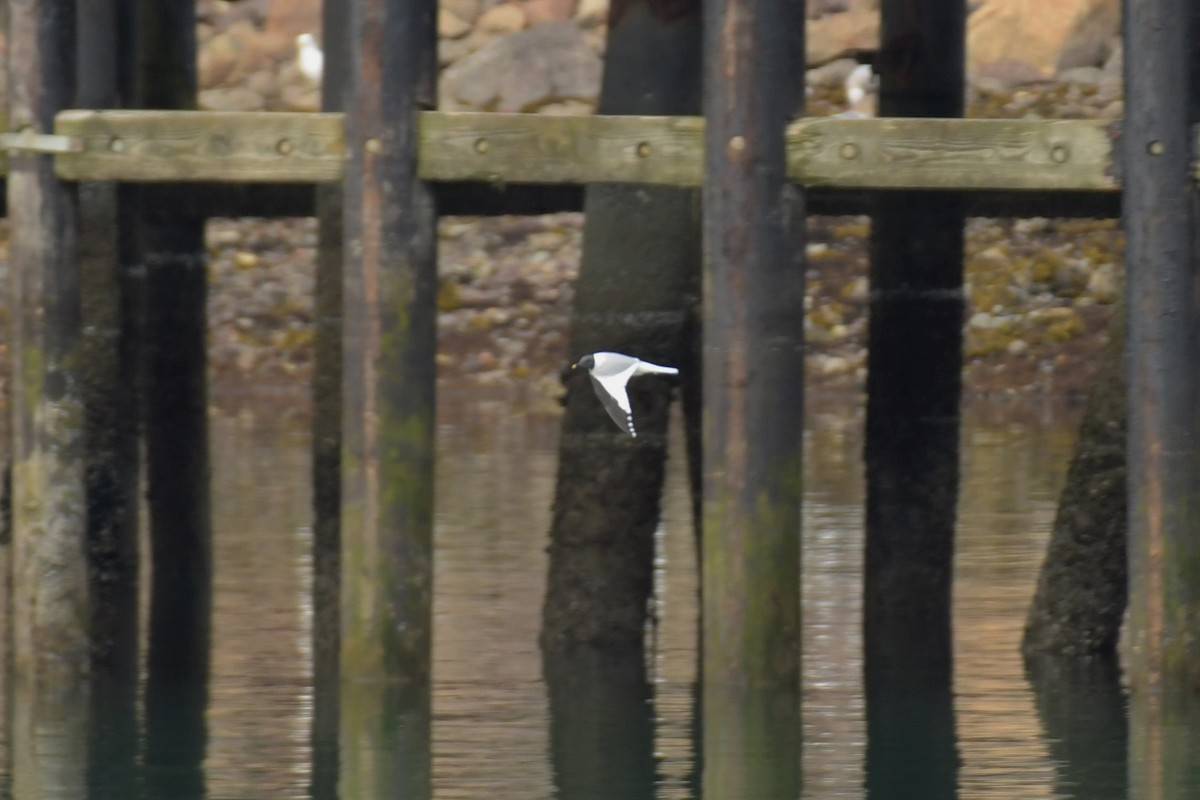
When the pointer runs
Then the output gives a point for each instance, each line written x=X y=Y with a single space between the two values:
x=860 y=85
x=610 y=372
x=309 y=57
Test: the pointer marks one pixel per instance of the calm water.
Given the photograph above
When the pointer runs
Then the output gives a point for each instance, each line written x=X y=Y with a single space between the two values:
x=492 y=731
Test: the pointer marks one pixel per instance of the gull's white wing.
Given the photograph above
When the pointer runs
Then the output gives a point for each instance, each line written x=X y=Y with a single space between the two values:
x=611 y=391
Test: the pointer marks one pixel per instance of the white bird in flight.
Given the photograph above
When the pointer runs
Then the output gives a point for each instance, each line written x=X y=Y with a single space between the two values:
x=309 y=57
x=610 y=372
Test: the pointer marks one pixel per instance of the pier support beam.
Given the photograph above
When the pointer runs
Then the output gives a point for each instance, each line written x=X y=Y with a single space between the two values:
x=327 y=427
x=107 y=58
x=638 y=286
x=50 y=661
x=388 y=374
x=175 y=403
x=107 y=49
x=390 y=338
x=1162 y=217
x=913 y=388
x=753 y=345
x=49 y=514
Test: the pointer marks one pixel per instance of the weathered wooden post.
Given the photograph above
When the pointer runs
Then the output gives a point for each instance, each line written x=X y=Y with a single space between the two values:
x=50 y=587
x=50 y=637
x=638 y=285
x=106 y=61
x=1161 y=213
x=175 y=403
x=913 y=388
x=327 y=426
x=107 y=46
x=753 y=396
x=390 y=337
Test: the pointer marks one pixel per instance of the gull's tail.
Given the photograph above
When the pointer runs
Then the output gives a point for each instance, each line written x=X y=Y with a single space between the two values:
x=645 y=367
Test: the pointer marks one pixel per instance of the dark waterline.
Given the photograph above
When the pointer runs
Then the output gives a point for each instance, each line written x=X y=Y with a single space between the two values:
x=496 y=730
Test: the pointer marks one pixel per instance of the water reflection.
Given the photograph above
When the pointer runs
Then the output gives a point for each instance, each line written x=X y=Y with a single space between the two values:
x=504 y=724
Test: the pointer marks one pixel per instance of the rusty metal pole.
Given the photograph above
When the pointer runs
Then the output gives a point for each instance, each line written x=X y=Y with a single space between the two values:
x=1161 y=211
x=389 y=342
x=753 y=344
x=1161 y=224
x=753 y=399
x=390 y=337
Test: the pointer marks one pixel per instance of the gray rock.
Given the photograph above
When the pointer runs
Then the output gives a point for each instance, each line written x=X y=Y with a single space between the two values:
x=1087 y=76
x=237 y=98
x=525 y=71
x=831 y=75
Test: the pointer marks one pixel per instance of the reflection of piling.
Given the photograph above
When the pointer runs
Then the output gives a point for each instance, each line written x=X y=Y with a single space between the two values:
x=1082 y=709
x=327 y=430
x=48 y=510
x=1160 y=208
x=753 y=344
x=389 y=339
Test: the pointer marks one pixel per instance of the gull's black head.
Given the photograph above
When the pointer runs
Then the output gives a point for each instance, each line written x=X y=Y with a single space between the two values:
x=587 y=362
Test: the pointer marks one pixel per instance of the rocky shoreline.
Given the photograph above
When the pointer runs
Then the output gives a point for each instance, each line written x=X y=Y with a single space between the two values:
x=1040 y=293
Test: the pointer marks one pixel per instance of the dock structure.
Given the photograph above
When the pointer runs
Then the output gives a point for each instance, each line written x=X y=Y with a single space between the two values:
x=386 y=163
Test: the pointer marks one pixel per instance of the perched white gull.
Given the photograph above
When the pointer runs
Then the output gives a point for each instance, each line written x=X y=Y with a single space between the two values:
x=610 y=372
x=860 y=81
x=309 y=57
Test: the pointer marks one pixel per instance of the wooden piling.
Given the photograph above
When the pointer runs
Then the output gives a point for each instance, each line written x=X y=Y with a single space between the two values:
x=390 y=337
x=1162 y=95
x=753 y=345
x=109 y=368
x=175 y=404
x=914 y=368
x=327 y=428
x=638 y=287
x=106 y=63
x=49 y=515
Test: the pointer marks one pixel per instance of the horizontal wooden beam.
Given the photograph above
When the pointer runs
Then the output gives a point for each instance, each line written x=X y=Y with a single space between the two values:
x=498 y=149
x=963 y=154
x=170 y=146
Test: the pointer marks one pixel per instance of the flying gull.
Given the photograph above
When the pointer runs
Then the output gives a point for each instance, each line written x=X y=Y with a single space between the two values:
x=610 y=372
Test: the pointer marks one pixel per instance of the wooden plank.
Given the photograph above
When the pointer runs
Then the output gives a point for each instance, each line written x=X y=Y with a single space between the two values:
x=533 y=148
x=155 y=146
x=273 y=147
x=891 y=153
